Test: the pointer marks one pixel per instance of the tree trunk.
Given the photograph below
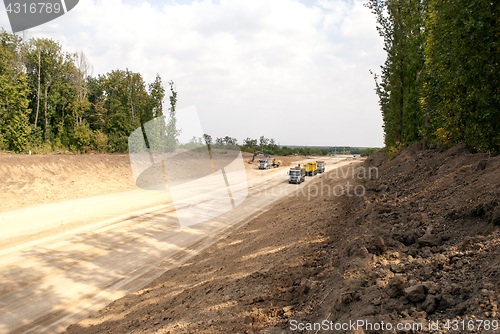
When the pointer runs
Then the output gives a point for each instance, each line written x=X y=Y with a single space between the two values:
x=38 y=91
x=62 y=122
x=131 y=102
x=45 y=109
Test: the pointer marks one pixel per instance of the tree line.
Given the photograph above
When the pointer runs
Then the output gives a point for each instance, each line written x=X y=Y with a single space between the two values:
x=49 y=100
x=269 y=146
x=440 y=82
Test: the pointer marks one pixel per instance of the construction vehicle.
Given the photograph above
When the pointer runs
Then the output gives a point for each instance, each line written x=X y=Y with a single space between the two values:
x=321 y=166
x=265 y=163
x=269 y=161
x=296 y=175
x=259 y=153
x=311 y=168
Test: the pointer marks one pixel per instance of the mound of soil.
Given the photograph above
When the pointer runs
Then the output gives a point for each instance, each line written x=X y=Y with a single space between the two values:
x=29 y=180
x=420 y=243
x=36 y=179
x=433 y=247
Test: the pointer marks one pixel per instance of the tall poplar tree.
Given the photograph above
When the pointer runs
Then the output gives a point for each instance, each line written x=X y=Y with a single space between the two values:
x=14 y=90
x=400 y=23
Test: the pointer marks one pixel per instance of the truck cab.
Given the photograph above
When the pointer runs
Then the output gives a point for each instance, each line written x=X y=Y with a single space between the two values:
x=296 y=175
x=321 y=166
x=265 y=163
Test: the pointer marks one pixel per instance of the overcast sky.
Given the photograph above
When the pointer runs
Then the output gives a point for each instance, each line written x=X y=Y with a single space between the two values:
x=295 y=71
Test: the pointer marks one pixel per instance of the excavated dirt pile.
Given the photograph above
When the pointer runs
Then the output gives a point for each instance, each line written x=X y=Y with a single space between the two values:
x=402 y=241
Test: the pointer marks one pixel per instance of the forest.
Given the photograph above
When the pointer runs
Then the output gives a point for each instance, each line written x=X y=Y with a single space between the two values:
x=439 y=85
x=50 y=102
x=440 y=82
x=269 y=146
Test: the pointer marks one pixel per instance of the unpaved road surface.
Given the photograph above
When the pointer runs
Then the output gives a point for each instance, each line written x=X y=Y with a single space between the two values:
x=62 y=261
x=421 y=245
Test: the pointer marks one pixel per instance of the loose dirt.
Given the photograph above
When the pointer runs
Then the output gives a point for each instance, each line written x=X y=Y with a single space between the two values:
x=40 y=179
x=421 y=243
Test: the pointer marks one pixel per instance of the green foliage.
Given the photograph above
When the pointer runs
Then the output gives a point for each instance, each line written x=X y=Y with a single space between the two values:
x=157 y=94
x=172 y=132
x=36 y=138
x=440 y=81
x=17 y=133
x=400 y=23
x=83 y=137
x=14 y=89
x=369 y=151
x=157 y=141
x=195 y=143
x=48 y=100
x=394 y=150
x=462 y=76
x=117 y=143
x=268 y=146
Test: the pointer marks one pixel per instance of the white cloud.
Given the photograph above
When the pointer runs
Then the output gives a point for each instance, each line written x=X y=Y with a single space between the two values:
x=297 y=73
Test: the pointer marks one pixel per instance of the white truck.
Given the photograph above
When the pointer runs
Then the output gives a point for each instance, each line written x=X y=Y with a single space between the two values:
x=320 y=166
x=265 y=163
x=296 y=175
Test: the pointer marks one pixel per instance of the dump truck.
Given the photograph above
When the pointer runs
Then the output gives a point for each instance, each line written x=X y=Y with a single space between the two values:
x=321 y=166
x=296 y=175
x=265 y=163
x=311 y=169
x=270 y=162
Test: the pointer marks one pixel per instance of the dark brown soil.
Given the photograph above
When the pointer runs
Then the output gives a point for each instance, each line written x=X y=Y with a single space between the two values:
x=421 y=244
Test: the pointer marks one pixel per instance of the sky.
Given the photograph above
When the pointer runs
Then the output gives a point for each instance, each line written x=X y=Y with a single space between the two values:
x=297 y=71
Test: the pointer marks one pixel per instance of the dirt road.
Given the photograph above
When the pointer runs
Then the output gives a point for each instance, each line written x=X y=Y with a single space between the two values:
x=421 y=244
x=62 y=261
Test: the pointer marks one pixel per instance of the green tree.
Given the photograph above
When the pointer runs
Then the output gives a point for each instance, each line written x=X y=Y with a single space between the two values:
x=400 y=23
x=45 y=66
x=207 y=139
x=123 y=106
x=462 y=76
x=157 y=93
x=172 y=131
x=440 y=81
x=14 y=91
x=49 y=100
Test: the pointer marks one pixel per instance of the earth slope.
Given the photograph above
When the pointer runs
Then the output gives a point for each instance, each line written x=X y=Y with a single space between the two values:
x=422 y=243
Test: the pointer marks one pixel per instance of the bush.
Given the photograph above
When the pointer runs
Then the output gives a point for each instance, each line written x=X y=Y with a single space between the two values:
x=82 y=137
x=369 y=151
x=2 y=143
x=36 y=143
x=392 y=151
x=100 y=141
x=117 y=143
x=57 y=146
